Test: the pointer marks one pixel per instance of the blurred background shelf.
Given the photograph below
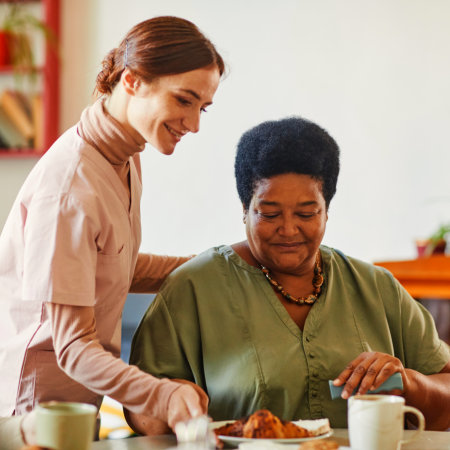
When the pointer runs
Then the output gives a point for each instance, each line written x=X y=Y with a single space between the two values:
x=19 y=153
x=427 y=280
x=423 y=277
x=39 y=81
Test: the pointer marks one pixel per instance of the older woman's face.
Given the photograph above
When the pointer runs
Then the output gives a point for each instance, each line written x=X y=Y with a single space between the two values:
x=285 y=222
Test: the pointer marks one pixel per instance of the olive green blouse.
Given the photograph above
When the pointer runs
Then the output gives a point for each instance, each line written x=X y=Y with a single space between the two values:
x=218 y=323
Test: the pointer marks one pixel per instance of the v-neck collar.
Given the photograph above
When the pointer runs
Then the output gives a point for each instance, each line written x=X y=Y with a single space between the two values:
x=314 y=315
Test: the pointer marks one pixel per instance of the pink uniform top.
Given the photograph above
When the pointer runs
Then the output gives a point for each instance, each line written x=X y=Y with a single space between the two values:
x=72 y=240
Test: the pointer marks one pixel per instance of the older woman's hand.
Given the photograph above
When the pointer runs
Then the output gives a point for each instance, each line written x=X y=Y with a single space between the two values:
x=368 y=372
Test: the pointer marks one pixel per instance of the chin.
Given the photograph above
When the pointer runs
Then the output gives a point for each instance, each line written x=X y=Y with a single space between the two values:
x=165 y=149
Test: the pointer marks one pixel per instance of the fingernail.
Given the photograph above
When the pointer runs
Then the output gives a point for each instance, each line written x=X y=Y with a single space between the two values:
x=345 y=395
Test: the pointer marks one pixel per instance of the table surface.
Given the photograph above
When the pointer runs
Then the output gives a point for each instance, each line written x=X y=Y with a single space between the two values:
x=428 y=440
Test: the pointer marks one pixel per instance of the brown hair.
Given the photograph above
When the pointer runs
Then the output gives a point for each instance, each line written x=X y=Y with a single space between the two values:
x=160 y=46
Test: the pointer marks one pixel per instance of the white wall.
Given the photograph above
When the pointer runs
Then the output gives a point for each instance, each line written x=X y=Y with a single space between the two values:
x=373 y=73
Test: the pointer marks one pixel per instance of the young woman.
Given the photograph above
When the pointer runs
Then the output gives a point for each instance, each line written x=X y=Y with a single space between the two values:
x=69 y=249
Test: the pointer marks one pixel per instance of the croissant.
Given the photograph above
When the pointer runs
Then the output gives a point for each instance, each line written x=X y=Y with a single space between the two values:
x=262 y=424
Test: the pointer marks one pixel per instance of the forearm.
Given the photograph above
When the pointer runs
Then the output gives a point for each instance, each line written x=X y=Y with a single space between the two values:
x=152 y=270
x=83 y=358
x=431 y=395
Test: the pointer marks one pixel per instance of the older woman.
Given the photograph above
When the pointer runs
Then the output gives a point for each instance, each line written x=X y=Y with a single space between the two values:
x=265 y=323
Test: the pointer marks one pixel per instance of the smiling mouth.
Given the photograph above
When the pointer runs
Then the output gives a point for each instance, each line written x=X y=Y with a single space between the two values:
x=288 y=245
x=175 y=133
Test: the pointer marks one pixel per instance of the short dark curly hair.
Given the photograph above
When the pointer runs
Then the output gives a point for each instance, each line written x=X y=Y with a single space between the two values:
x=290 y=145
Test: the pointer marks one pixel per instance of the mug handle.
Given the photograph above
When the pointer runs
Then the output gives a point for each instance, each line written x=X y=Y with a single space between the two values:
x=421 y=427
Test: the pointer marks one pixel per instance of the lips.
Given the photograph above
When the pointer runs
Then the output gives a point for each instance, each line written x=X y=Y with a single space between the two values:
x=288 y=246
x=177 y=134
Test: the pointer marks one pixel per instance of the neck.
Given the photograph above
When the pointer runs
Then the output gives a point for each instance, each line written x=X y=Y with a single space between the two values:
x=243 y=250
x=108 y=135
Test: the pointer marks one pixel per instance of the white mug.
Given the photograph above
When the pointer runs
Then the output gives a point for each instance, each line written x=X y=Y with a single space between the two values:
x=376 y=422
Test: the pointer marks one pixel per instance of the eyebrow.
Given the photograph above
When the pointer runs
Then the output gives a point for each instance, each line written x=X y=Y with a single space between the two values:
x=195 y=95
x=268 y=203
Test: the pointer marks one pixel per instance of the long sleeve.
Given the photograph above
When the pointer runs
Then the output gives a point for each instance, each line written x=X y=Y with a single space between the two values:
x=83 y=358
x=151 y=271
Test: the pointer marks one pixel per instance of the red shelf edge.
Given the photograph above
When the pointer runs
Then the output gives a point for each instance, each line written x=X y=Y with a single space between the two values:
x=20 y=154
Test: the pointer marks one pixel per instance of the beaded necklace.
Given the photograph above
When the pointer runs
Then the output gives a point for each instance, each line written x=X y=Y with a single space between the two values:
x=308 y=299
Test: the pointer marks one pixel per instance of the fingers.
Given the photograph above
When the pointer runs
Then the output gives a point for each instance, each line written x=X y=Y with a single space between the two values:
x=184 y=404
x=204 y=400
x=348 y=371
x=367 y=372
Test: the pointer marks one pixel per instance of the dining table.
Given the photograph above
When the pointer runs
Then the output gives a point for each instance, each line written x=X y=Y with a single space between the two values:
x=428 y=440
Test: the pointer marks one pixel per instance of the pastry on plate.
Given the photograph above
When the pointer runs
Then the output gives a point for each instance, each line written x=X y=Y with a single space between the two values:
x=264 y=425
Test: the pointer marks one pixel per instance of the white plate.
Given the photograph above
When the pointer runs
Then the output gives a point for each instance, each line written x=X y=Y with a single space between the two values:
x=240 y=440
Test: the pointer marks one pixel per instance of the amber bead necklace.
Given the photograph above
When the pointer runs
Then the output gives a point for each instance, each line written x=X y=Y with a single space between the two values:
x=308 y=299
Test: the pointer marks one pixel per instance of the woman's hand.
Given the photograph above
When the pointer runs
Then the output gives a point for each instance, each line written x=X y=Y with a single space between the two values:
x=186 y=402
x=368 y=372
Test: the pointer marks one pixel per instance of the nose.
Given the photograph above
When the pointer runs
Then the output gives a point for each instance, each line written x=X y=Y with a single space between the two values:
x=288 y=226
x=192 y=122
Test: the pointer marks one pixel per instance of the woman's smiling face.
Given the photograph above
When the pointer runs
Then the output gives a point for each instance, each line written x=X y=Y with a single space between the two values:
x=163 y=111
x=285 y=222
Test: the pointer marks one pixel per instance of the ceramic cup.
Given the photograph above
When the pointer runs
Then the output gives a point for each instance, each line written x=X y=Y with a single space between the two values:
x=65 y=425
x=376 y=422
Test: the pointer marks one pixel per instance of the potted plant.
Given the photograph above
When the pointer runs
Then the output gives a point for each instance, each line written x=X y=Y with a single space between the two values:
x=436 y=243
x=438 y=240
x=16 y=30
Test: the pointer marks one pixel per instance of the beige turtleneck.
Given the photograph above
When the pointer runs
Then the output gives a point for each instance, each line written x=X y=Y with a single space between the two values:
x=116 y=144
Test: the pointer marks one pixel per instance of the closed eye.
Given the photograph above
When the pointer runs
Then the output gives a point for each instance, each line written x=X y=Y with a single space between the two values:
x=184 y=101
x=308 y=215
x=269 y=215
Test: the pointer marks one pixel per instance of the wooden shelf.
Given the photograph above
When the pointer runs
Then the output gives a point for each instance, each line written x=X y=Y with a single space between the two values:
x=20 y=153
x=9 y=69
x=49 y=81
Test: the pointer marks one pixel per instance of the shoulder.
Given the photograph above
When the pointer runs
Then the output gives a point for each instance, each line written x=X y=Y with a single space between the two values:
x=369 y=283
x=202 y=266
x=207 y=275
x=55 y=171
x=336 y=260
x=71 y=172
